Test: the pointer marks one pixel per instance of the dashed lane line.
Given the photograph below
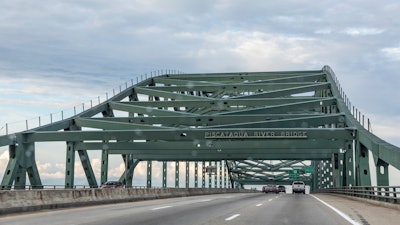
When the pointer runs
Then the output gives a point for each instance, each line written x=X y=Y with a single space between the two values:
x=232 y=217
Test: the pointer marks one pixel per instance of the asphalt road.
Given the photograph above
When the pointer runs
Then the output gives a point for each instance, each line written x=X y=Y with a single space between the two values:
x=252 y=208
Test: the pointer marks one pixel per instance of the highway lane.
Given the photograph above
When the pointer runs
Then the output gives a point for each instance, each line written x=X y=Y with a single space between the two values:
x=249 y=208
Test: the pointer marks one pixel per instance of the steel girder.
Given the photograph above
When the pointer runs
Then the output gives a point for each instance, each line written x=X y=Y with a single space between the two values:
x=290 y=117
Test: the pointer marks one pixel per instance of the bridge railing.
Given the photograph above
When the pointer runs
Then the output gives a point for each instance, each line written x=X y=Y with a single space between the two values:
x=389 y=194
x=361 y=118
x=34 y=122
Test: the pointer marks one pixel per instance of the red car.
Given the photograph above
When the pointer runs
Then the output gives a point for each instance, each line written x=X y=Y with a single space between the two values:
x=270 y=188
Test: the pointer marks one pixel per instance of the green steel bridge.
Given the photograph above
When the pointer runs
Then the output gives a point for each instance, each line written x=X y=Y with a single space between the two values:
x=250 y=128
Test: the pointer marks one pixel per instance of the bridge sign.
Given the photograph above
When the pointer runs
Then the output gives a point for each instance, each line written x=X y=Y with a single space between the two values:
x=309 y=169
x=295 y=173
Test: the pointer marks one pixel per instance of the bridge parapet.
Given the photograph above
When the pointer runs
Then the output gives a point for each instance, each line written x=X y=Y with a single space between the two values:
x=34 y=200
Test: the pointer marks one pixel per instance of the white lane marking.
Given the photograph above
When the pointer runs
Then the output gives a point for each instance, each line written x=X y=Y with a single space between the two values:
x=259 y=205
x=270 y=199
x=232 y=217
x=205 y=200
x=162 y=207
x=338 y=212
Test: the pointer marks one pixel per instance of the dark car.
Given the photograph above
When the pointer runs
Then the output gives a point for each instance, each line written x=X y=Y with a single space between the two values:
x=281 y=188
x=112 y=184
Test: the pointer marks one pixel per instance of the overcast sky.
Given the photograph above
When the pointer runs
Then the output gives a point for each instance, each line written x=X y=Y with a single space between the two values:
x=54 y=55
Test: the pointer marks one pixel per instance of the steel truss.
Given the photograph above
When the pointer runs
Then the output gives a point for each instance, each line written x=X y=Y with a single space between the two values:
x=254 y=127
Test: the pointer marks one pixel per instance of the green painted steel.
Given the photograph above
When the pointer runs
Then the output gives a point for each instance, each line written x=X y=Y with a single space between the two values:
x=260 y=125
x=149 y=173
x=104 y=166
x=70 y=165
x=87 y=168
x=187 y=174
x=164 y=174
x=177 y=174
x=196 y=174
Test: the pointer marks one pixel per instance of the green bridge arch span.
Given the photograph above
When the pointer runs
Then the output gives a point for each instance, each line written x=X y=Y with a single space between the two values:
x=261 y=127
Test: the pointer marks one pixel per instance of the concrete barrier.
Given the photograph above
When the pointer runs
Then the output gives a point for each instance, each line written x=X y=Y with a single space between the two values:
x=16 y=201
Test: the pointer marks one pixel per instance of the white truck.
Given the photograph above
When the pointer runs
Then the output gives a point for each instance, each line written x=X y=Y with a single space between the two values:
x=298 y=187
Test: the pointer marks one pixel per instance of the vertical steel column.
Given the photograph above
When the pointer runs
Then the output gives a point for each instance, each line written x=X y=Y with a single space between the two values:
x=314 y=175
x=209 y=175
x=220 y=174
x=342 y=169
x=187 y=174
x=177 y=174
x=31 y=168
x=70 y=165
x=349 y=165
x=329 y=171
x=104 y=152
x=336 y=177
x=164 y=184
x=149 y=172
x=104 y=164
x=196 y=174
x=363 y=177
x=203 y=175
x=225 y=174
x=216 y=174
x=382 y=172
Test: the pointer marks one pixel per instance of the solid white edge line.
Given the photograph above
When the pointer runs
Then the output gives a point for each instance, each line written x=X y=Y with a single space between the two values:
x=346 y=217
x=232 y=217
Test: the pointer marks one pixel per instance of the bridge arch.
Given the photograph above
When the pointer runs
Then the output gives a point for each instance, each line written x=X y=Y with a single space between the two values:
x=264 y=126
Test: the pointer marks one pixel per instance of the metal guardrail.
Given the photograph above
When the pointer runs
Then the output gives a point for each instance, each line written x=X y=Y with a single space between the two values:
x=389 y=194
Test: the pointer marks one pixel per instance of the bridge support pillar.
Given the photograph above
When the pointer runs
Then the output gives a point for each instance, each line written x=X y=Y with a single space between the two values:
x=215 y=173
x=187 y=174
x=363 y=177
x=164 y=174
x=22 y=162
x=104 y=165
x=196 y=174
x=220 y=174
x=203 y=175
x=348 y=165
x=149 y=173
x=70 y=165
x=177 y=174
x=314 y=185
x=382 y=172
x=209 y=176
x=337 y=176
